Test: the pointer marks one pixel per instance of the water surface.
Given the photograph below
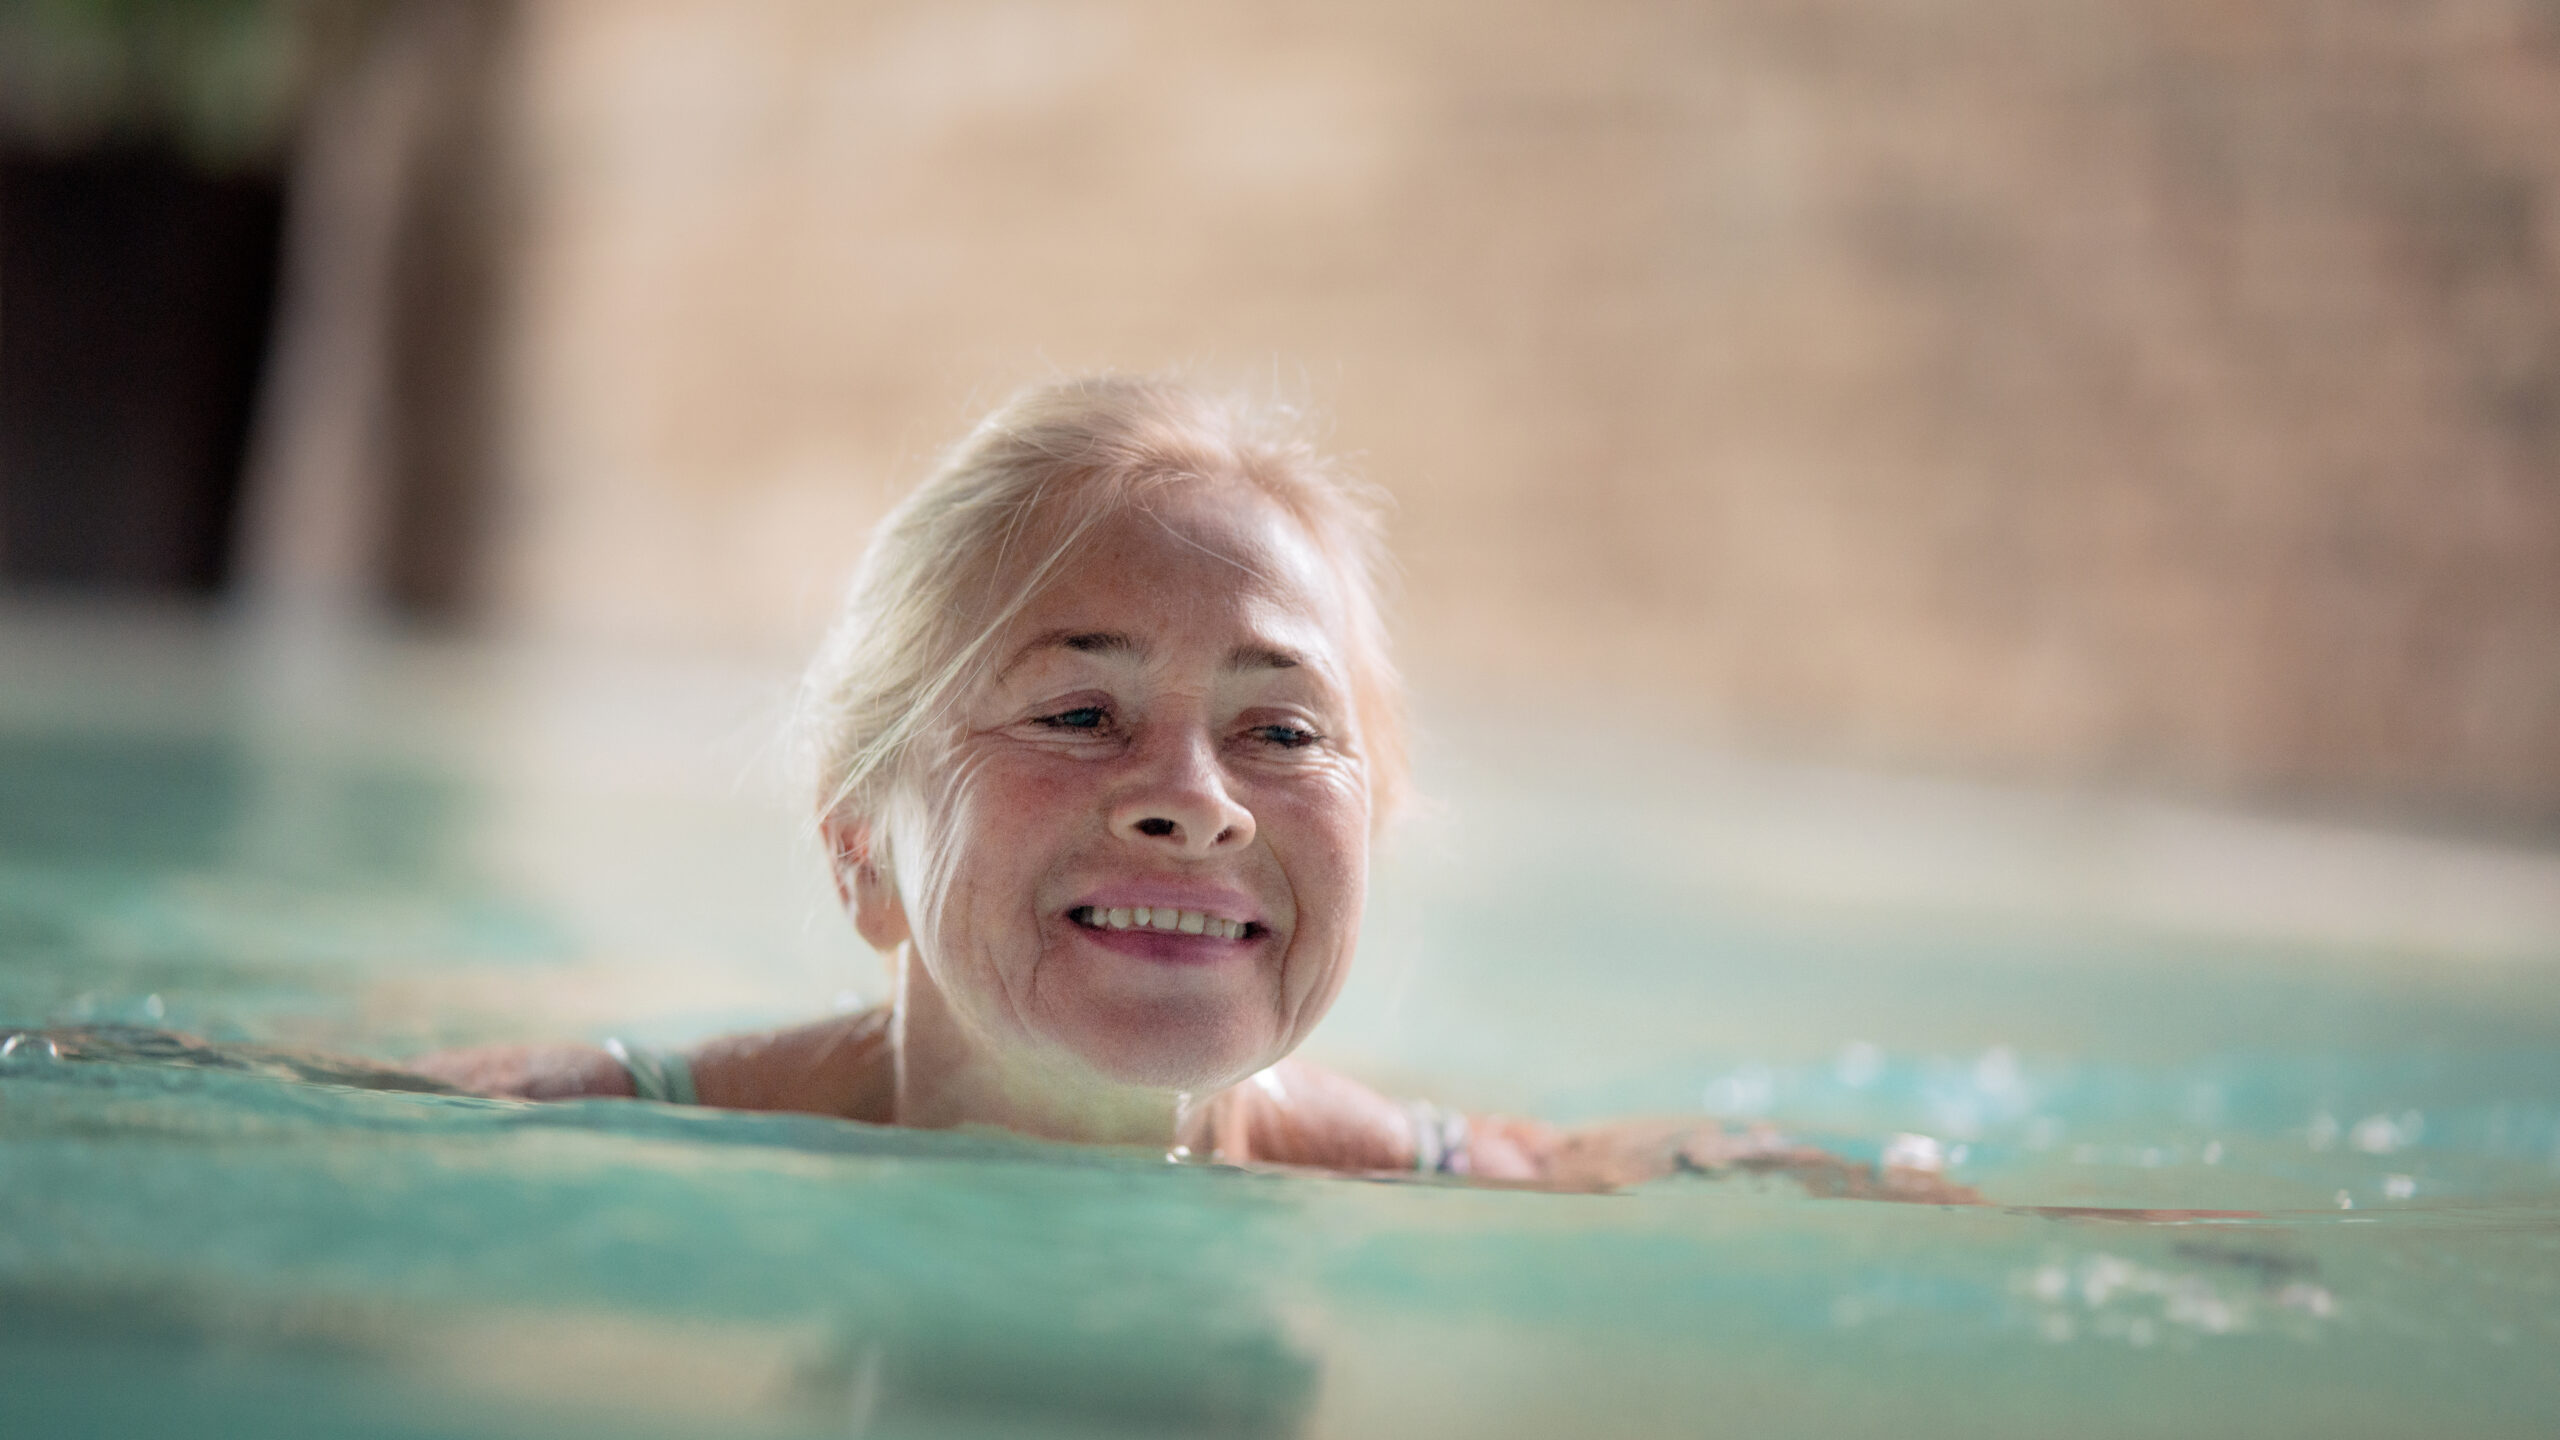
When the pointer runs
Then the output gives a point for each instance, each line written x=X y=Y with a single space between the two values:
x=364 y=847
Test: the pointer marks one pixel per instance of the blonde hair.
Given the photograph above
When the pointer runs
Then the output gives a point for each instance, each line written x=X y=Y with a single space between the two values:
x=956 y=560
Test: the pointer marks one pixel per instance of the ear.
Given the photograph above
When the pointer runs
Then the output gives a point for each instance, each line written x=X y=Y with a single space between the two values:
x=863 y=884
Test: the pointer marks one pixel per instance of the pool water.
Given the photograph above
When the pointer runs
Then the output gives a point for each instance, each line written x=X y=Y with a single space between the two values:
x=285 y=843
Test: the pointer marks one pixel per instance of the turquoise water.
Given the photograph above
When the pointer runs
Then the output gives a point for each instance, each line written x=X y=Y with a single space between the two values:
x=362 y=848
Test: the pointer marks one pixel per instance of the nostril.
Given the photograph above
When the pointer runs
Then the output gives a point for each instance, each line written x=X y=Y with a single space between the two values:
x=1155 y=825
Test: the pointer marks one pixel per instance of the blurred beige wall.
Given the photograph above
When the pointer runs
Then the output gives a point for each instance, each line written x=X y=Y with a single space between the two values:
x=2164 y=392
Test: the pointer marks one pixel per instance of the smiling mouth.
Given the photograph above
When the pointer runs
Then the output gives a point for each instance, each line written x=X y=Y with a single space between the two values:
x=1165 y=921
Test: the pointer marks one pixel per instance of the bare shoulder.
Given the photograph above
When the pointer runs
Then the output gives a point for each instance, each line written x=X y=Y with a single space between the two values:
x=843 y=1065
x=839 y=1066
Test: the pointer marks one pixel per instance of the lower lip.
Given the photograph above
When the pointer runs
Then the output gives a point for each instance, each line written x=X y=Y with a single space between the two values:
x=1168 y=947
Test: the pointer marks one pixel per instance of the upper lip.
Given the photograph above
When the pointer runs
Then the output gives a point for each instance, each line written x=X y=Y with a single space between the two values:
x=1217 y=900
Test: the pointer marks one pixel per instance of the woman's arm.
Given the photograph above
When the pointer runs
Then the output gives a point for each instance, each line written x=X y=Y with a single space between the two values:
x=1304 y=1115
x=1300 y=1114
x=839 y=1066
x=527 y=1072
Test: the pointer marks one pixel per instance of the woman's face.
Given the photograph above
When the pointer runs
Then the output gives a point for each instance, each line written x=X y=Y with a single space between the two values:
x=1141 y=852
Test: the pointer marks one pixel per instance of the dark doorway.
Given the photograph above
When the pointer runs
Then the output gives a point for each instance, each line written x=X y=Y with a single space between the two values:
x=135 y=294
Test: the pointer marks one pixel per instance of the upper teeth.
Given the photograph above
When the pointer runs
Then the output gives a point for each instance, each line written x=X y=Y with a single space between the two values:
x=1143 y=917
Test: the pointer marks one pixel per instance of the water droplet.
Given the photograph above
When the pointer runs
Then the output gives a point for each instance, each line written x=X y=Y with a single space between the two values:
x=2399 y=1187
x=2346 y=1201
x=2213 y=1152
x=153 y=1006
x=26 y=1045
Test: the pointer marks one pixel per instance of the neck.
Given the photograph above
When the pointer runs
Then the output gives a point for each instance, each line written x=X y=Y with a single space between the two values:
x=946 y=1079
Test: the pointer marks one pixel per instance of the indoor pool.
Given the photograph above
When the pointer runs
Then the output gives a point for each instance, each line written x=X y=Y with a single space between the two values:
x=283 y=844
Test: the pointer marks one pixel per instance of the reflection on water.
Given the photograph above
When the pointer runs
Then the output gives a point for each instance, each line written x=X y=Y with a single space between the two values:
x=236 y=1237
x=680 y=1268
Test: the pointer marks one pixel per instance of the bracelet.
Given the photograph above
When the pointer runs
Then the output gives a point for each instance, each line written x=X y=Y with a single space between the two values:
x=1439 y=1139
x=660 y=1075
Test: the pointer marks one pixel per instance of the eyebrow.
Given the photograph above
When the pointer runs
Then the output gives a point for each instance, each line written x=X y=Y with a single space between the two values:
x=1248 y=656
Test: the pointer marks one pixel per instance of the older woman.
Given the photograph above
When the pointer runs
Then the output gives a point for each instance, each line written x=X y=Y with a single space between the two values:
x=1101 y=741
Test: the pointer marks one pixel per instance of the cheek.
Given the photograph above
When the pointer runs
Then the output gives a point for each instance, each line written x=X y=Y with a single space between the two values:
x=1004 y=820
x=1322 y=837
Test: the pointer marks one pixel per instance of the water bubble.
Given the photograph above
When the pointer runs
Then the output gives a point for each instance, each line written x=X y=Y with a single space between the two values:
x=2346 y=1201
x=27 y=1046
x=2310 y=1299
x=2213 y=1152
x=2324 y=1130
x=1746 y=1091
x=2399 y=1187
x=2192 y=1302
x=155 y=1007
x=2102 y=1277
x=2375 y=1135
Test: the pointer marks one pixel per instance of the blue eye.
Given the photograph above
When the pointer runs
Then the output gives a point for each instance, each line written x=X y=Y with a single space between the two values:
x=1083 y=717
x=1288 y=737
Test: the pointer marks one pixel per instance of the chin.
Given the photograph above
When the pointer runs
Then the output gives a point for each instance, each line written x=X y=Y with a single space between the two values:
x=1188 y=1048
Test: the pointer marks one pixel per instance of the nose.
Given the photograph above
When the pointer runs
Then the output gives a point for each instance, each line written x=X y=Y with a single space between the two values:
x=1177 y=803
